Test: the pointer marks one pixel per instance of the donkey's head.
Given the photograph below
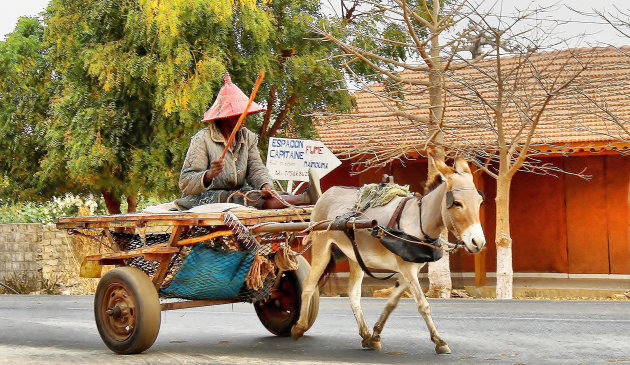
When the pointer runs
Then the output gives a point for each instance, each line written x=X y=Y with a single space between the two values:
x=461 y=203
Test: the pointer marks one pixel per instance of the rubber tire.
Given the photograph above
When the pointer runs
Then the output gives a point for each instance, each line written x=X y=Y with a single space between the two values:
x=282 y=327
x=147 y=314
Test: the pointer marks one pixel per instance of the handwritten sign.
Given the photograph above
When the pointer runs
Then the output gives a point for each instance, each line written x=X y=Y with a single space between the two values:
x=290 y=159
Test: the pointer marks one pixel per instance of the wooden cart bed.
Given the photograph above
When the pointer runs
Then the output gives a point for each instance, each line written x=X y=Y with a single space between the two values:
x=140 y=220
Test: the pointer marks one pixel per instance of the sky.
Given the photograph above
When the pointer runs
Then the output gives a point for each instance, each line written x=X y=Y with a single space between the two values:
x=11 y=10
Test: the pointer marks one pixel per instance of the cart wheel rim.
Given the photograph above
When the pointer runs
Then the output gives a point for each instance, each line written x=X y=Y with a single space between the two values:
x=283 y=305
x=118 y=309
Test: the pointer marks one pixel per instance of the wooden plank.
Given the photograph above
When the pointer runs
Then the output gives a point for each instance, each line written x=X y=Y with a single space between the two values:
x=196 y=303
x=162 y=270
x=159 y=249
x=180 y=218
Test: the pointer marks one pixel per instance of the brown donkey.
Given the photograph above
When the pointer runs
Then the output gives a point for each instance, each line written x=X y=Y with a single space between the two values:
x=453 y=204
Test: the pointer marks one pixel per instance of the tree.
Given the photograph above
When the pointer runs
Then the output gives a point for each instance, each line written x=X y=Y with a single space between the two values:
x=515 y=97
x=393 y=50
x=600 y=103
x=136 y=76
x=299 y=82
x=492 y=106
x=26 y=86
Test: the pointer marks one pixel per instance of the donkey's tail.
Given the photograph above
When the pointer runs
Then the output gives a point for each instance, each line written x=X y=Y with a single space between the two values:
x=330 y=272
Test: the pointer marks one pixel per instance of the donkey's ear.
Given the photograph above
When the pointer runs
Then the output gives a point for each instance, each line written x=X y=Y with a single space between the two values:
x=442 y=168
x=461 y=165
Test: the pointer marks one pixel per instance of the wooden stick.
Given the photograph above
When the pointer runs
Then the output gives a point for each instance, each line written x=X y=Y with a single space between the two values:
x=241 y=119
x=190 y=241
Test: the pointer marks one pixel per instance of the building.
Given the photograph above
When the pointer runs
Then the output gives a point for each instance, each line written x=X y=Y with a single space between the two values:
x=560 y=224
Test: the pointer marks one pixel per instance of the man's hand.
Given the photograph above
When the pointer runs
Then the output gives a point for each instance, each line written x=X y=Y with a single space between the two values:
x=266 y=190
x=216 y=167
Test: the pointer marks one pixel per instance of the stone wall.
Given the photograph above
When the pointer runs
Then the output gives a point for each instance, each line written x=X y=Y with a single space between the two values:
x=57 y=257
x=20 y=250
x=43 y=253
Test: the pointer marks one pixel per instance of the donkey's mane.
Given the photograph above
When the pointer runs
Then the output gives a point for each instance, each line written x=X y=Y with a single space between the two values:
x=433 y=184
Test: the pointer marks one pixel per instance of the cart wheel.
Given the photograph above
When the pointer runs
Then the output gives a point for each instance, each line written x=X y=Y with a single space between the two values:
x=282 y=310
x=127 y=310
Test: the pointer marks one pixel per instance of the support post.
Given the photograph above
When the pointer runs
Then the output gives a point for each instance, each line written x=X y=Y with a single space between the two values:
x=480 y=258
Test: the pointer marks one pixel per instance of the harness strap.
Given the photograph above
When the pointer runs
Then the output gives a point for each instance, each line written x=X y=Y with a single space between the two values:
x=350 y=234
x=395 y=219
x=426 y=236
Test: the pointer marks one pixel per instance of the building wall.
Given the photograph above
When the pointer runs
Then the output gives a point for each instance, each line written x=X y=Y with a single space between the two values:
x=618 y=212
x=559 y=224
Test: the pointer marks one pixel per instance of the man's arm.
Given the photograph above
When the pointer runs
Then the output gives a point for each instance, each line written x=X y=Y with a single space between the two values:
x=192 y=178
x=257 y=173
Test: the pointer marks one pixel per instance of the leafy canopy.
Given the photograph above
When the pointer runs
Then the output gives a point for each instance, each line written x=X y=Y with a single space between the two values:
x=119 y=86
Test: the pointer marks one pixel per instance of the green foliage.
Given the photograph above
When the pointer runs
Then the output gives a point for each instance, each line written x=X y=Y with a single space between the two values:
x=26 y=86
x=48 y=211
x=105 y=95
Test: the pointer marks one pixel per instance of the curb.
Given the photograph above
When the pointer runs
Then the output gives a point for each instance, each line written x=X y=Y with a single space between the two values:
x=487 y=292
x=337 y=286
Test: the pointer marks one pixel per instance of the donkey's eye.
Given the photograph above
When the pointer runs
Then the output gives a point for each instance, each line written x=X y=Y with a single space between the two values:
x=457 y=204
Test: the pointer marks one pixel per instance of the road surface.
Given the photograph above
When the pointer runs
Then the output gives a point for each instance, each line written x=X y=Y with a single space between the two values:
x=61 y=330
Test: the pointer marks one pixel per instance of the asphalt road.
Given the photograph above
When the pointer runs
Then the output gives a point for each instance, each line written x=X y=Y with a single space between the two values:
x=61 y=329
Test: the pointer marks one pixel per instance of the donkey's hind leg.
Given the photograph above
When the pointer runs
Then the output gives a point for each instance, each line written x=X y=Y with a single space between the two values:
x=410 y=273
x=354 y=294
x=392 y=302
x=321 y=251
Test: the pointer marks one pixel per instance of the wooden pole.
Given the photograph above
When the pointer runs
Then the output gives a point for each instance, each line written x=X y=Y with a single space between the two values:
x=241 y=119
x=480 y=258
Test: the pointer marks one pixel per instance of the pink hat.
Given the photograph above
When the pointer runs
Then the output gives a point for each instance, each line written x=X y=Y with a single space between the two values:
x=231 y=101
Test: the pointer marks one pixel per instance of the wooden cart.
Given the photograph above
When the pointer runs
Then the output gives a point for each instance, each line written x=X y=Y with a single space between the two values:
x=148 y=252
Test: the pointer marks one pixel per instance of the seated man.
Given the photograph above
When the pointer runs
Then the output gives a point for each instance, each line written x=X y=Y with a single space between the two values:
x=206 y=178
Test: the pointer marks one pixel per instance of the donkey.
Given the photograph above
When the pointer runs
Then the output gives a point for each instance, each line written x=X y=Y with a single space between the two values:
x=453 y=204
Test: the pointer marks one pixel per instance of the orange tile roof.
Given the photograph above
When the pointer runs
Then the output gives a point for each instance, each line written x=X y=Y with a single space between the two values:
x=570 y=122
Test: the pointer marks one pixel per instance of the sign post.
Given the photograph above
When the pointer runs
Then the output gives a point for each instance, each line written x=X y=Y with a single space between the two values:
x=290 y=159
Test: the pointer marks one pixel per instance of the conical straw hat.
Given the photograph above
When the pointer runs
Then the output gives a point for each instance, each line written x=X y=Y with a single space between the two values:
x=230 y=102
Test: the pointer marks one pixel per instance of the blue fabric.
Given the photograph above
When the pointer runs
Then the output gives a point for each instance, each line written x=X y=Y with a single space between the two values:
x=210 y=274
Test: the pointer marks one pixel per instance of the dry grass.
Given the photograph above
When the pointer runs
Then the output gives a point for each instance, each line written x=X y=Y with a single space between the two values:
x=26 y=283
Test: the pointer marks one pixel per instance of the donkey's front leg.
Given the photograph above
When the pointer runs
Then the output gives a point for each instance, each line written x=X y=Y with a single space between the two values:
x=411 y=275
x=354 y=293
x=321 y=252
x=392 y=302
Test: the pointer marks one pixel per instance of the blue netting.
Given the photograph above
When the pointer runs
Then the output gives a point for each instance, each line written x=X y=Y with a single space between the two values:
x=210 y=274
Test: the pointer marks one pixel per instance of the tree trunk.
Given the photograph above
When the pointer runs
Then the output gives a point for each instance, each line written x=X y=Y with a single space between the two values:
x=282 y=115
x=440 y=283
x=132 y=204
x=503 y=239
x=112 y=202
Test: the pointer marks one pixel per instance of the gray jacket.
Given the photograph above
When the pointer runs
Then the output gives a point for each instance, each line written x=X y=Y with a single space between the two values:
x=241 y=164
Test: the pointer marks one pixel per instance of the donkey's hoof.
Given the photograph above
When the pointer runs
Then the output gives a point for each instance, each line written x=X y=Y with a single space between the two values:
x=372 y=343
x=442 y=348
x=296 y=333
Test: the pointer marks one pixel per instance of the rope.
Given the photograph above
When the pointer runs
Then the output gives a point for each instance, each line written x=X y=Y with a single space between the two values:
x=452 y=246
x=286 y=259
x=258 y=272
x=246 y=198
x=273 y=193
